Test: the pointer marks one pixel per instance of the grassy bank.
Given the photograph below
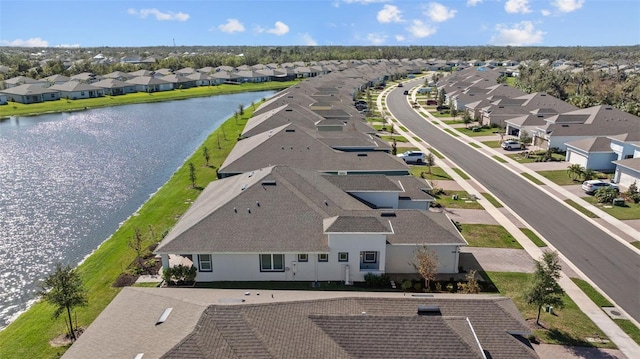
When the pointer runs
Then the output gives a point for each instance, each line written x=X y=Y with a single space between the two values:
x=29 y=335
x=63 y=105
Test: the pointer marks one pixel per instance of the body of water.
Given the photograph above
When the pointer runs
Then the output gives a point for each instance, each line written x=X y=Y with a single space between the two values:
x=68 y=180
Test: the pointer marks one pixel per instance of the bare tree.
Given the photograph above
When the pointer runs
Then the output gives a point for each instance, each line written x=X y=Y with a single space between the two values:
x=471 y=286
x=192 y=174
x=205 y=153
x=425 y=262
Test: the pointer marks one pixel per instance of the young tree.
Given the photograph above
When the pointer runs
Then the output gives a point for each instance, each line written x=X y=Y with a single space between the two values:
x=606 y=195
x=442 y=96
x=467 y=119
x=241 y=110
x=205 y=154
x=63 y=288
x=192 y=174
x=425 y=262
x=394 y=147
x=453 y=111
x=545 y=289
x=137 y=244
x=471 y=286
x=525 y=138
x=429 y=161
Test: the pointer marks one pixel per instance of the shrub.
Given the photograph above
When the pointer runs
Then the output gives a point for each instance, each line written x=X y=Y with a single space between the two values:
x=179 y=274
x=406 y=285
x=606 y=195
x=377 y=281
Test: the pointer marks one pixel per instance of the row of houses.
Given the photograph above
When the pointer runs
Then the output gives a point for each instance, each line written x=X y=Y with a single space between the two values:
x=310 y=193
x=601 y=137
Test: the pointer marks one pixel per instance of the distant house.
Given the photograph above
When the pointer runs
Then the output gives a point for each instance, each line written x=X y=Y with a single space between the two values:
x=3 y=99
x=150 y=84
x=22 y=80
x=114 y=87
x=75 y=90
x=56 y=79
x=180 y=81
x=34 y=93
x=319 y=226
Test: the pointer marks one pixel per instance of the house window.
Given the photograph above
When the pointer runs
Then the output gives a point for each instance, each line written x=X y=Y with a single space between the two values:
x=370 y=257
x=204 y=262
x=343 y=257
x=323 y=257
x=303 y=257
x=272 y=262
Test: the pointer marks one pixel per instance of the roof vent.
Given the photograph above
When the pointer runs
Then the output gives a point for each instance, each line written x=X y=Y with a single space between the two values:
x=290 y=130
x=164 y=316
x=288 y=110
x=362 y=155
x=430 y=310
x=244 y=186
x=257 y=203
x=387 y=214
x=139 y=356
x=269 y=183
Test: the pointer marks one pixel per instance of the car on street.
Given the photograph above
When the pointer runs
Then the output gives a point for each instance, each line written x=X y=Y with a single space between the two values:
x=511 y=145
x=442 y=108
x=591 y=186
x=412 y=156
x=406 y=92
x=400 y=85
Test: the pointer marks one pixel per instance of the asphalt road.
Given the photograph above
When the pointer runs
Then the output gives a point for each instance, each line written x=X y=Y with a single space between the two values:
x=608 y=263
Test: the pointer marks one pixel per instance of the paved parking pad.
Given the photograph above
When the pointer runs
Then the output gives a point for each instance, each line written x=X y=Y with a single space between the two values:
x=496 y=259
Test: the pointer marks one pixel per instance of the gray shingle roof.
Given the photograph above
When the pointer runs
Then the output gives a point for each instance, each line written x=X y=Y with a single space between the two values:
x=336 y=328
x=356 y=224
x=593 y=144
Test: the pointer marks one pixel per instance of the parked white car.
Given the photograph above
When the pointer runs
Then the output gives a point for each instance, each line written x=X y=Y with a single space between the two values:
x=511 y=145
x=412 y=156
x=591 y=186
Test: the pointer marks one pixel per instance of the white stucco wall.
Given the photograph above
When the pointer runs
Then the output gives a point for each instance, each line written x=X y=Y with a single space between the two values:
x=576 y=158
x=354 y=244
x=399 y=258
x=625 y=177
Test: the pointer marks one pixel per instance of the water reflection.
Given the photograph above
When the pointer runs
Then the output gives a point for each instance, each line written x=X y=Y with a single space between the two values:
x=68 y=180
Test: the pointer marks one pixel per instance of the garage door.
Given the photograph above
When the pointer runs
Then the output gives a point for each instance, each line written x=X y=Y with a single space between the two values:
x=576 y=158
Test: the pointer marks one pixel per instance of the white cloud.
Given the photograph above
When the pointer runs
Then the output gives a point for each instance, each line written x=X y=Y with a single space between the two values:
x=545 y=12
x=568 y=5
x=517 y=6
x=279 y=29
x=389 y=13
x=521 y=34
x=160 y=16
x=32 y=42
x=376 y=39
x=232 y=25
x=400 y=38
x=439 y=13
x=473 y=2
x=419 y=29
x=308 y=40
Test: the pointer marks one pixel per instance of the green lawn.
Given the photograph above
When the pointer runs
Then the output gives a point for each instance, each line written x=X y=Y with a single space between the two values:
x=629 y=211
x=475 y=145
x=532 y=179
x=628 y=327
x=481 y=132
x=521 y=158
x=453 y=122
x=63 y=105
x=533 y=237
x=559 y=177
x=451 y=132
x=566 y=326
x=489 y=236
x=29 y=335
x=463 y=201
x=437 y=173
x=492 y=144
x=398 y=138
x=581 y=209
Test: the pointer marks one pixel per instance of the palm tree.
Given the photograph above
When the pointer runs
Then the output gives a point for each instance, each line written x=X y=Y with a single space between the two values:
x=588 y=174
x=575 y=171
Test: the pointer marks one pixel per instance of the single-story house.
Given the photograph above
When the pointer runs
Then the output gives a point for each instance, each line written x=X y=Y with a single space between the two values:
x=113 y=87
x=214 y=323
x=627 y=172
x=3 y=99
x=22 y=80
x=594 y=153
x=30 y=94
x=75 y=90
x=150 y=84
x=287 y=224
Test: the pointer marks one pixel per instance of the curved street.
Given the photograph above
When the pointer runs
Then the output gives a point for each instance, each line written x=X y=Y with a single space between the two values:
x=612 y=266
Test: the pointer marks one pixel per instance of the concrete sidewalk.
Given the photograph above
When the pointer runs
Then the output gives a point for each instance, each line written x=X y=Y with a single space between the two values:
x=596 y=314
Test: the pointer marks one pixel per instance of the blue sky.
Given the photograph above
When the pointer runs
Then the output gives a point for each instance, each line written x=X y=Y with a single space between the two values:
x=91 y=23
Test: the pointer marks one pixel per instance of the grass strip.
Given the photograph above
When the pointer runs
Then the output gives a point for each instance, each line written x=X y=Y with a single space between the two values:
x=581 y=209
x=499 y=159
x=628 y=327
x=488 y=236
x=398 y=138
x=636 y=244
x=417 y=138
x=451 y=132
x=492 y=144
x=436 y=153
x=592 y=293
x=533 y=237
x=473 y=144
x=491 y=199
x=29 y=335
x=64 y=105
x=532 y=179
x=566 y=326
x=461 y=173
